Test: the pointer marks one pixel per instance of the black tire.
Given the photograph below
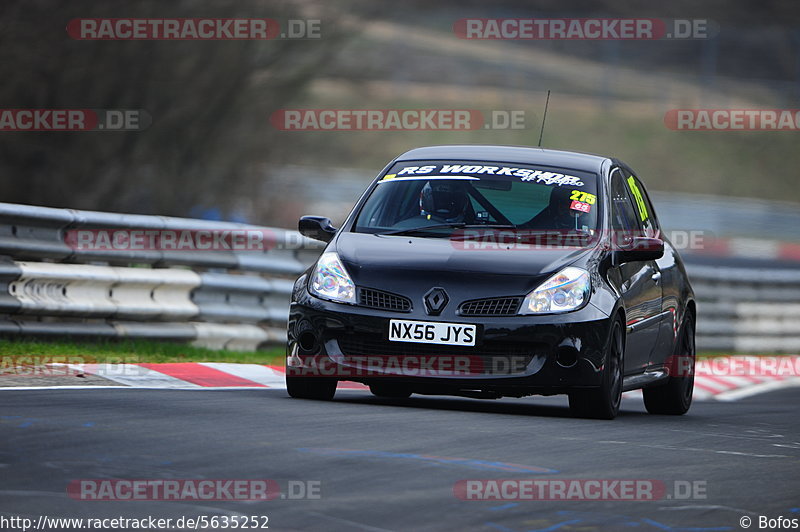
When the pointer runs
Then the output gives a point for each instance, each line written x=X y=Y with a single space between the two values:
x=603 y=402
x=389 y=390
x=311 y=388
x=675 y=396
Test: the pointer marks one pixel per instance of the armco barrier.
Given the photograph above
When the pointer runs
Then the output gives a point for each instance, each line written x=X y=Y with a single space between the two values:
x=104 y=291
x=230 y=299
x=747 y=309
x=217 y=298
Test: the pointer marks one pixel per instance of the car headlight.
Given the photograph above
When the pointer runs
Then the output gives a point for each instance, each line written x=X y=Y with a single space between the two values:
x=331 y=281
x=567 y=290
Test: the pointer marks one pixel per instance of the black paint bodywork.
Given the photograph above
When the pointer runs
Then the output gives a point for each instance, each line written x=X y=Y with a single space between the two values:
x=651 y=298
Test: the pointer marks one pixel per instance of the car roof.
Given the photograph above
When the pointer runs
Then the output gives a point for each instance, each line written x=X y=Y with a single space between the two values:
x=508 y=154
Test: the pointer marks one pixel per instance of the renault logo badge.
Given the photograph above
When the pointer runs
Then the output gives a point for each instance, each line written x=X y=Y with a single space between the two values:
x=435 y=301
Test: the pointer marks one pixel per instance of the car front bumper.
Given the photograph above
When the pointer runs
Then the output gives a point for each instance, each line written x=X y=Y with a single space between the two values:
x=513 y=355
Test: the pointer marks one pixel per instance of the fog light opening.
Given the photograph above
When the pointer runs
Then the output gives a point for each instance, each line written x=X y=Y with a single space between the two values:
x=566 y=356
x=307 y=341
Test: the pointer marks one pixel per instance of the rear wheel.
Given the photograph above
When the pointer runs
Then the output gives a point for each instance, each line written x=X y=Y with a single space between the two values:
x=603 y=402
x=675 y=397
x=311 y=388
x=389 y=390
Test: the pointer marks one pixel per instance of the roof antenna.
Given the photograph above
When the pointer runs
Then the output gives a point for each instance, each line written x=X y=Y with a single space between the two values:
x=544 y=117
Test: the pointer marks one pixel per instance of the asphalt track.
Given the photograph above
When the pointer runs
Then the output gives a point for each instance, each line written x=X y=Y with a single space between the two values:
x=392 y=464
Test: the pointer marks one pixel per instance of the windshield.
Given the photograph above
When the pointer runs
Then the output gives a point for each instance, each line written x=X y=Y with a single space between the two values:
x=435 y=197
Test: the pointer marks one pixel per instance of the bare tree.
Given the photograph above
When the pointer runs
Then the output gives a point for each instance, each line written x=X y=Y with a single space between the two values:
x=209 y=101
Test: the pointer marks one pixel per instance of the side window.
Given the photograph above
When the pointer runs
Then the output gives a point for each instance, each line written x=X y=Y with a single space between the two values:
x=624 y=219
x=647 y=214
x=642 y=207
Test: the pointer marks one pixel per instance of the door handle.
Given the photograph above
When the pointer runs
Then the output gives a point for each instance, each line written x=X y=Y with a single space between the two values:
x=656 y=277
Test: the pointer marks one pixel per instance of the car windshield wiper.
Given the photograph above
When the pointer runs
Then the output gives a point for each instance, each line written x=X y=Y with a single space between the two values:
x=454 y=225
x=423 y=228
x=490 y=226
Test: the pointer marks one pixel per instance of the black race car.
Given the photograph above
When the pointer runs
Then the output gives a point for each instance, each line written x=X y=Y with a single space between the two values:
x=492 y=271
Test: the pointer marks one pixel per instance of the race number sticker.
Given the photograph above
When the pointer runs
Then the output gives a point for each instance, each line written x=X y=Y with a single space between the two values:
x=583 y=197
x=582 y=201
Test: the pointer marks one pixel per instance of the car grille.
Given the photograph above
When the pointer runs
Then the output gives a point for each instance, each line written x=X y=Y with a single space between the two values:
x=498 y=306
x=498 y=358
x=369 y=297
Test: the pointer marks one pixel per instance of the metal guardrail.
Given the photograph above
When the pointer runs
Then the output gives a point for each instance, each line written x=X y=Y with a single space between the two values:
x=747 y=309
x=35 y=233
x=217 y=298
x=729 y=216
x=239 y=300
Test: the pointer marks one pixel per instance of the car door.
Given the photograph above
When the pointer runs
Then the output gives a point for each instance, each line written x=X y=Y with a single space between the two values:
x=639 y=282
x=667 y=271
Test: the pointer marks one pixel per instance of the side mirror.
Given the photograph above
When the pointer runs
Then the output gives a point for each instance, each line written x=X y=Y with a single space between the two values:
x=316 y=227
x=640 y=249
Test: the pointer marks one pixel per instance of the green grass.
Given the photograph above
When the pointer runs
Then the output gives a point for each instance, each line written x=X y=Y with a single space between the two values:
x=134 y=351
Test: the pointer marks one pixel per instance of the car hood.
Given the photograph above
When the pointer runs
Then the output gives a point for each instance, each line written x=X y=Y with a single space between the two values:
x=409 y=264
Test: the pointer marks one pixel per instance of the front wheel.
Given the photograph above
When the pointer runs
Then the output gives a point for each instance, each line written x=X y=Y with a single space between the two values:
x=675 y=396
x=603 y=402
x=311 y=387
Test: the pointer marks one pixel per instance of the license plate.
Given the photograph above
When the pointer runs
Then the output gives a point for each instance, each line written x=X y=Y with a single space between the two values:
x=432 y=332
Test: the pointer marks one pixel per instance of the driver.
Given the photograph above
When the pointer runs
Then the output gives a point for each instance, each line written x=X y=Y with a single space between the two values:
x=444 y=201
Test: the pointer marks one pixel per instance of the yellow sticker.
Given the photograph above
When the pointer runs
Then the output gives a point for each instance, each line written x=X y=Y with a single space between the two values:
x=388 y=176
x=583 y=197
x=637 y=195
